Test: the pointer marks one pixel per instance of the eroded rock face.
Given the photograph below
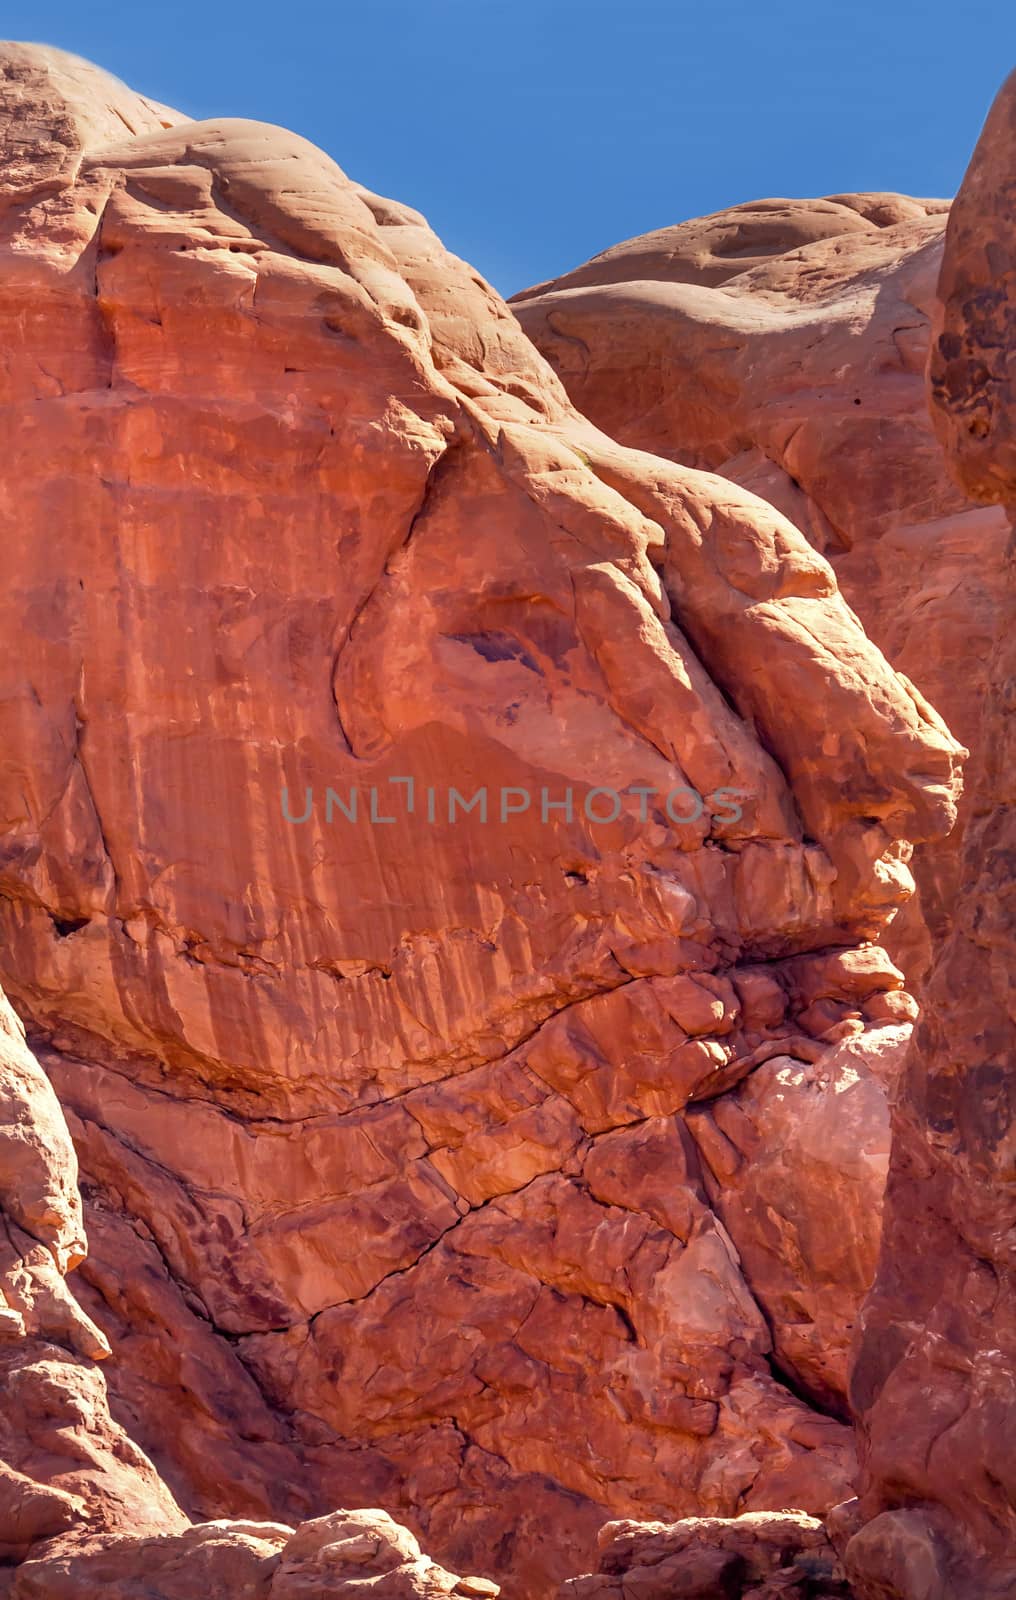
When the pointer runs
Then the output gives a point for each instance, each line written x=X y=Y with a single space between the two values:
x=935 y=1379
x=793 y=1159
x=765 y=1556
x=783 y=344
x=83 y=1511
x=63 y=1461
x=400 y=1121
x=337 y=1557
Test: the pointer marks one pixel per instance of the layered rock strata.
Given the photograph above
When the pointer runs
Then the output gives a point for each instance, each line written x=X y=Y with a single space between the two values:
x=83 y=1512
x=444 y=856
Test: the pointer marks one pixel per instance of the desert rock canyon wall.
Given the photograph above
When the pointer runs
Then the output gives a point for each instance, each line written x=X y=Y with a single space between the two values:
x=511 y=1163
x=783 y=344
x=934 y=1384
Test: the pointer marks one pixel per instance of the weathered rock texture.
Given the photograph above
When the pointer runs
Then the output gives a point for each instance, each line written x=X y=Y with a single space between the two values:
x=935 y=1379
x=338 y=1557
x=429 y=1157
x=83 y=1512
x=761 y=1556
x=63 y=1461
x=783 y=344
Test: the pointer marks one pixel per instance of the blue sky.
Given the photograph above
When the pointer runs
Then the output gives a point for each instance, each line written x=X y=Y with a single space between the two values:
x=533 y=133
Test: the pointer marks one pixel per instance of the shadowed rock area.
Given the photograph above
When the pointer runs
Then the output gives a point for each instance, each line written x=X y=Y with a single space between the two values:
x=934 y=1384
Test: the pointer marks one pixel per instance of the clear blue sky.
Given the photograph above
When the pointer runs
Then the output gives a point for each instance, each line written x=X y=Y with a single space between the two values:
x=533 y=133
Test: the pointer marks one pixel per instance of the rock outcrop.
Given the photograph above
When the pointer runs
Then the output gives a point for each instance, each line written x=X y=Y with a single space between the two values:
x=83 y=1512
x=762 y=1556
x=934 y=1384
x=338 y=1557
x=64 y=1462
x=783 y=344
x=444 y=848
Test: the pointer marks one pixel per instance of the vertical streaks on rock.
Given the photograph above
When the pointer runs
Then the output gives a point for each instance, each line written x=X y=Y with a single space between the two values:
x=415 y=1110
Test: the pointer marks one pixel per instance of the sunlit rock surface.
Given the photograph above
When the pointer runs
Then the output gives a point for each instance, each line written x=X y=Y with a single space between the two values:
x=429 y=1154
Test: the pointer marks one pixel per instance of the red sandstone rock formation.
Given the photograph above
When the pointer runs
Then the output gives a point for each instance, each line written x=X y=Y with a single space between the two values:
x=83 y=1512
x=338 y=1557
x=62 y=1458
x=783 y=344
x=935 y=1380
x=429 y=1157
x=761 y=1556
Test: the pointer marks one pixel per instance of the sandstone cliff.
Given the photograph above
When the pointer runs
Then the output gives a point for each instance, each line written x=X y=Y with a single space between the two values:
x=508 y=1168
x=744 y=341
x=83 y=1512
x=934 y=1384
x=783 y=344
